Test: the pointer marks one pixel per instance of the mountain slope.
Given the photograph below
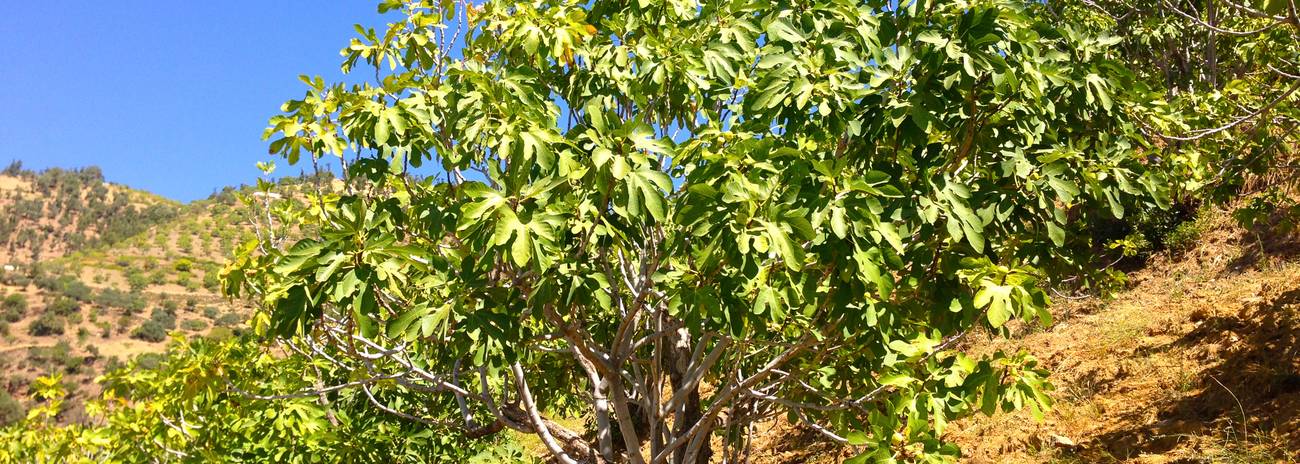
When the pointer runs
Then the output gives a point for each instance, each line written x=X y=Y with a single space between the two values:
x=1198 y=361
x=116 y=270
x=54 y=212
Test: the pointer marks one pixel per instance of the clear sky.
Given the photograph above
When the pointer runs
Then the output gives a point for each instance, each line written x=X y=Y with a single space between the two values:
x=169 y=97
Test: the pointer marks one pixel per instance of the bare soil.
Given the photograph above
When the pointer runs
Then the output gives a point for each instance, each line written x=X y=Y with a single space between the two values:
x=1198 y=361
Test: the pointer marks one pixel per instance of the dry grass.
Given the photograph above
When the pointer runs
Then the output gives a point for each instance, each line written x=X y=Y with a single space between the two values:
x=1199 y=361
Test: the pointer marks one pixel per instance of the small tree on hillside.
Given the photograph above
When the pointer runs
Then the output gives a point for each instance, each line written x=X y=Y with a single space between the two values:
x=689 y=217
x=48 y=324
x=183 y=265
x=14 y=169
x=136 y=280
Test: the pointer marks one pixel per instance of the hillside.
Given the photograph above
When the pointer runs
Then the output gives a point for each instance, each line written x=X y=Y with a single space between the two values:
x=114 y=271
x=54 y=212
x=1196 y=361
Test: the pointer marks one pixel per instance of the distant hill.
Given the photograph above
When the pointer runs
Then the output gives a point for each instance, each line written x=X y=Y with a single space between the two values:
x=96 y=273
x=56 y=211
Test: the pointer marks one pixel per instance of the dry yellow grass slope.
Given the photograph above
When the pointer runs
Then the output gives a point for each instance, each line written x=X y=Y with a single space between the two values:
x=1198 y=361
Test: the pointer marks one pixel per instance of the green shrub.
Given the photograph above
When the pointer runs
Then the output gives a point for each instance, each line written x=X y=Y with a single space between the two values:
x=63 y=306
x=150 y=331
x=229 y=320
x=211 y=312
x=17 y=280
x=47 y=325
x=131 y=302
x=58 y=356
x=1145 y=231
x=194 y=324
x=211 y=280
x=150 y=361
x=220 y=333
x=67 y=286
x=11 y=410
x=164 y=317
x=1187 y=234
x=113 y=363
x=16 y=301
x=137 y=281
x=183 y=265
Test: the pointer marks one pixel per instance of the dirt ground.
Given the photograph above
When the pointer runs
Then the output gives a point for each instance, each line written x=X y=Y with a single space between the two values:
x=1198 y=361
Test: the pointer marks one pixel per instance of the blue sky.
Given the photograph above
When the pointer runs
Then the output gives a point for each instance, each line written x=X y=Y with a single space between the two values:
x=169 y=97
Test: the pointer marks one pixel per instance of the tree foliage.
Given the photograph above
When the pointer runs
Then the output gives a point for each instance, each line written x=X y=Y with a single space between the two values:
x=676 y=218
x=230 y=402
x=1230 y=74
x=687 y=217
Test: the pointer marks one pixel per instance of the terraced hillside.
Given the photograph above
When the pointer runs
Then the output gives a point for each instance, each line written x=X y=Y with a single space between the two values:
x=113 y=272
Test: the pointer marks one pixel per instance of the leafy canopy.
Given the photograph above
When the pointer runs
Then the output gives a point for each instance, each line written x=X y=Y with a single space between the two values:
x=676 y=218
x=228 y=401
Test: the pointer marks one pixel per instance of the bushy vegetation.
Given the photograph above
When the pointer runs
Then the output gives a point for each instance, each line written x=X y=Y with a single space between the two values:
x=203 y=381
x=11 y=411
x=675 y=220
x=150 y=331
x=15 y=301
x=155 y=329
x=57 y=358
x=131 y=302
x=229 y=320
x=13 y=307
x=63 y=306
x=65 y=285
x=137 y=280
x=194 y=325
x=48 y=324
x=88 y=212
